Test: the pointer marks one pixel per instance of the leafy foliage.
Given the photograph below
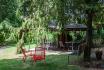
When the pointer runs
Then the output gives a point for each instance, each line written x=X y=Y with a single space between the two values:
x=7 y=9
x=34 y=16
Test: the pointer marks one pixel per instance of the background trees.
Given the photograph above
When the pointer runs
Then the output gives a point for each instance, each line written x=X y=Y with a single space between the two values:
x=34 y=16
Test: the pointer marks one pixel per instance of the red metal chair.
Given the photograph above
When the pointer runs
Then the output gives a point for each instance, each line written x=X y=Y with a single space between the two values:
x=39 y=54
x=26 y=54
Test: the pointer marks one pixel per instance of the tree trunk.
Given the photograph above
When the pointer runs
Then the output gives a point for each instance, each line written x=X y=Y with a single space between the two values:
x=87 y=50
x=20 y=43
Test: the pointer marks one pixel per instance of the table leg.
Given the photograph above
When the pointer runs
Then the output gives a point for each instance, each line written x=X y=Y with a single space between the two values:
x=68 y=58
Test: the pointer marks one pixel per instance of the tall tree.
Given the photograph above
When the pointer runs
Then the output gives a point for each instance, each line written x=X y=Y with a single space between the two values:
x=90 y=11
x=76 y=9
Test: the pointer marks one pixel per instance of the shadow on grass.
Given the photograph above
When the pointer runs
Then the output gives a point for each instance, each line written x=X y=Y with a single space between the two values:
x=53 y=62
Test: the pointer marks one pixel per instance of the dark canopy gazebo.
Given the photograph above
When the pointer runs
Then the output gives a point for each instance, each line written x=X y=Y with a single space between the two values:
x=67 y=27
x=74 y=27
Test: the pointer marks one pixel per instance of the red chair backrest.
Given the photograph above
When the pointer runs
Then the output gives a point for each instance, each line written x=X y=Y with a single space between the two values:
x=40 y=51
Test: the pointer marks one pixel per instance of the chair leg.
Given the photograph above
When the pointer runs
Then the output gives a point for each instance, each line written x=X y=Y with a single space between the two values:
x=34 y=61
x=44 y=62
x=47 y=48
x=24 y=59
x=31 y=61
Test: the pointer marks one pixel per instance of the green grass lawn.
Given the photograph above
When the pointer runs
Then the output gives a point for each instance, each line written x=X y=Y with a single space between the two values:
x=53 y=62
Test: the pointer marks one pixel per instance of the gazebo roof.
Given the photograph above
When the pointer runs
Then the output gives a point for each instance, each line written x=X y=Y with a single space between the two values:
x=75 y=27
x=68 y=27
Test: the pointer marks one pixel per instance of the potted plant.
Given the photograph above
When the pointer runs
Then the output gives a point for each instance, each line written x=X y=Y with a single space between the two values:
x=99 y=54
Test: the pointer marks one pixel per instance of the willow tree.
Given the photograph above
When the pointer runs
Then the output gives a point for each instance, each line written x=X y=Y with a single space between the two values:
x=36 y=15
x=39 y=12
